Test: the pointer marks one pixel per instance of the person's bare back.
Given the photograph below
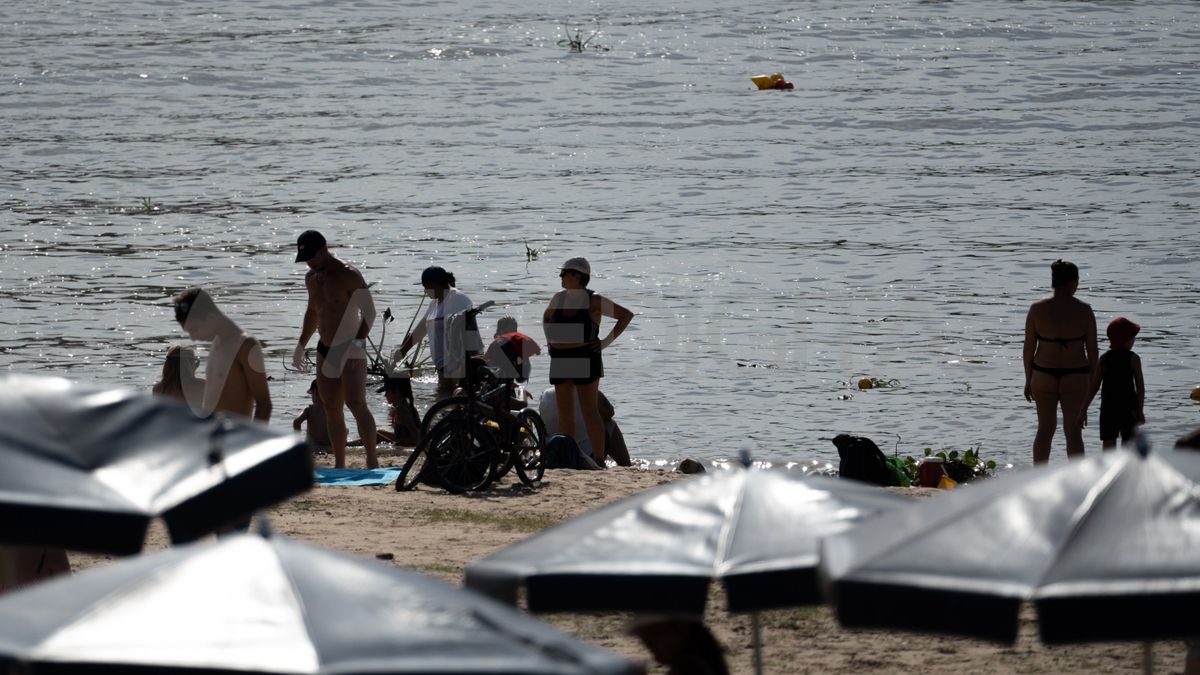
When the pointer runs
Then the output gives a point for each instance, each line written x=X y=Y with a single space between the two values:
x=1061 y=326
x=235 y=374
x=236 y=365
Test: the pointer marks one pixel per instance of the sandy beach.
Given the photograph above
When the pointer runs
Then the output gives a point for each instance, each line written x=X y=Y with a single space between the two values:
x=438 y=534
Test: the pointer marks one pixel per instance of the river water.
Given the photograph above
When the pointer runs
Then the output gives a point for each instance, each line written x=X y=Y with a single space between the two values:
x=891 y=217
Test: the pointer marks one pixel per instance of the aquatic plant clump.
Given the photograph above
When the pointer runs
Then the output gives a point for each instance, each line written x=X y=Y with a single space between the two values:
x=961 y=468
x=577 y=43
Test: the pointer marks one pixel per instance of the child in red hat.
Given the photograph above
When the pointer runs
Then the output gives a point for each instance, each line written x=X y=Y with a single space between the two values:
x=1122 y=389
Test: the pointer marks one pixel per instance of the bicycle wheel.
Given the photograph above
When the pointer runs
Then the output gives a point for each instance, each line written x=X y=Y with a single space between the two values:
x=527 y=446
x=442 y=409
x=464 y=454
x=416 y=467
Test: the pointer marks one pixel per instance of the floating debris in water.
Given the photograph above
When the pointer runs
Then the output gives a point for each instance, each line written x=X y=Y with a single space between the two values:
x=754 y=365
x=876 y=383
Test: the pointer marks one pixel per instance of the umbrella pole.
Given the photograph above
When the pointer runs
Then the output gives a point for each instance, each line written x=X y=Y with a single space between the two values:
x=1148 y=657
x=756 y=627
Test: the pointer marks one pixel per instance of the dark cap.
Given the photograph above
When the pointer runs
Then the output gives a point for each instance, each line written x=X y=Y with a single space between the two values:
x=434 y=276
x=308 y=244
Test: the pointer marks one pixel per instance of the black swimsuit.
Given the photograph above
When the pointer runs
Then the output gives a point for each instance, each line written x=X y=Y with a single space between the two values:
x=582 y=364
x=1059 y=372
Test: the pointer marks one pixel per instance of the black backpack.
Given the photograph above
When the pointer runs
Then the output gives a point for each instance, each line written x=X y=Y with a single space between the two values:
x=862 y=460
x=562 y=452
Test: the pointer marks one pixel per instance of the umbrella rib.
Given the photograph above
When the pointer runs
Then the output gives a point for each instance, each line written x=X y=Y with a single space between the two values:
x=725 y=537
x=1079 y=517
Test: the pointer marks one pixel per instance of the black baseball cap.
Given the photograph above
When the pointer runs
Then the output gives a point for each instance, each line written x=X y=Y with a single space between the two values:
x=308 y=244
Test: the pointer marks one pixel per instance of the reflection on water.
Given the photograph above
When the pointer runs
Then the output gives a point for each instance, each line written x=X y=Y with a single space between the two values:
x=892 y=217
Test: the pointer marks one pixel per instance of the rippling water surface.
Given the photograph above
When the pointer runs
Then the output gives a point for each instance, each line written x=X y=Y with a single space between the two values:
x=891 y=217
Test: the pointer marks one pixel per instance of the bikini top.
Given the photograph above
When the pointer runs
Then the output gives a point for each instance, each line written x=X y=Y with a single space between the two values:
x=1061 y=341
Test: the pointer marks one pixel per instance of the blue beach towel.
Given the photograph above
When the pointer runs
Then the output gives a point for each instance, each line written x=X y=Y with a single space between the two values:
x=346 y=477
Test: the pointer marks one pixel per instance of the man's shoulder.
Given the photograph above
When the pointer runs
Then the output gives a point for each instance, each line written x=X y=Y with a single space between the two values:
x=248 y=344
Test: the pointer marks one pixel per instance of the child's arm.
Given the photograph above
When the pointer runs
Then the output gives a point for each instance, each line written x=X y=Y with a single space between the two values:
x=1140 y=386
x=300 y=419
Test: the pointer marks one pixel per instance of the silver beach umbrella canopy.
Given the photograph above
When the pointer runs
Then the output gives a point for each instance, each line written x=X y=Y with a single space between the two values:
x=756 y=531
x=87 y=468
x=1106 y=547
x=269 y=605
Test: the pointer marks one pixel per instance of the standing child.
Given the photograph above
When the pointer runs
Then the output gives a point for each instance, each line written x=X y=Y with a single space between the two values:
x=1122 y=389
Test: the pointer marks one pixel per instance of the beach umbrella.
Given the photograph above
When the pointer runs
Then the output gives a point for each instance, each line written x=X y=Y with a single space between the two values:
x=87 y=468
x=1106 y=547
x=756 y=531
x=257 y=604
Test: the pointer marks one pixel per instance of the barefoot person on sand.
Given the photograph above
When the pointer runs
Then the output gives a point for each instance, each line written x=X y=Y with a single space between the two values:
x=235 y=377
x=1060 y=357
x=572 y=326
x=341 y=310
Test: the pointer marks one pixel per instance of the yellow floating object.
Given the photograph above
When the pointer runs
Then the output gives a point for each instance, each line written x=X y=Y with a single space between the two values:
x=1196 y=394
x=946 y=482
x=866 y=383
x=767 y=81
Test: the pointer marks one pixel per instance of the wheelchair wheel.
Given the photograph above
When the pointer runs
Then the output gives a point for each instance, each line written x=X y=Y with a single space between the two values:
x=528 y=443
x=443 y=409
x=416 y=467
x=464 y=455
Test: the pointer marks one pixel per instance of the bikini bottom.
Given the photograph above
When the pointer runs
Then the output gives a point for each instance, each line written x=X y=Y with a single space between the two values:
x=1059 y=372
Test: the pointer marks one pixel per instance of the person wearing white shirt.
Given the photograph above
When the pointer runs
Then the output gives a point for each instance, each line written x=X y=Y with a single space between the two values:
x=614 y=449
x=447 y=301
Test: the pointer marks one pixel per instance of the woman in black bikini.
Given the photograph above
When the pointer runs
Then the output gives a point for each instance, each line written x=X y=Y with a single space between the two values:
x=1060 y=356
x=572 y=325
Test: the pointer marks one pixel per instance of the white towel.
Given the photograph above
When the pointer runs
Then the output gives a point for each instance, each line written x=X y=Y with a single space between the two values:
x=459 y=341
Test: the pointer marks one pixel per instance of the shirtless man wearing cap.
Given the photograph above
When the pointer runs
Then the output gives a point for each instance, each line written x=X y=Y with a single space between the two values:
x=341 y=310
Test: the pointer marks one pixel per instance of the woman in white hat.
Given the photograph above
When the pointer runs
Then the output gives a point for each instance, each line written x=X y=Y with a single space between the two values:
x=572 y=325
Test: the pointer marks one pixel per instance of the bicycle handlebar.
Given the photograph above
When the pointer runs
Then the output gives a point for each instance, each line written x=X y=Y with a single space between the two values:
x=475 y=310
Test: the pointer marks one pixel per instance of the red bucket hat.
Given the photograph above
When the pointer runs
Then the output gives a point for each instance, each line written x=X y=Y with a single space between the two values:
x=1120 y=330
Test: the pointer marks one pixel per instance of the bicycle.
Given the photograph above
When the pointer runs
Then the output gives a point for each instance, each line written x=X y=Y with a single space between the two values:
x=470 y=440
x=473 y=440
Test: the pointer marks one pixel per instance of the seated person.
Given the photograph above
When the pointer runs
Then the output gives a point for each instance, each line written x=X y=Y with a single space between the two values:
x=511 y=350
x=681 y=643
x=406 y=424
x=318 y=430
x=614 y=447
x=509 y=353
x=179 y=380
